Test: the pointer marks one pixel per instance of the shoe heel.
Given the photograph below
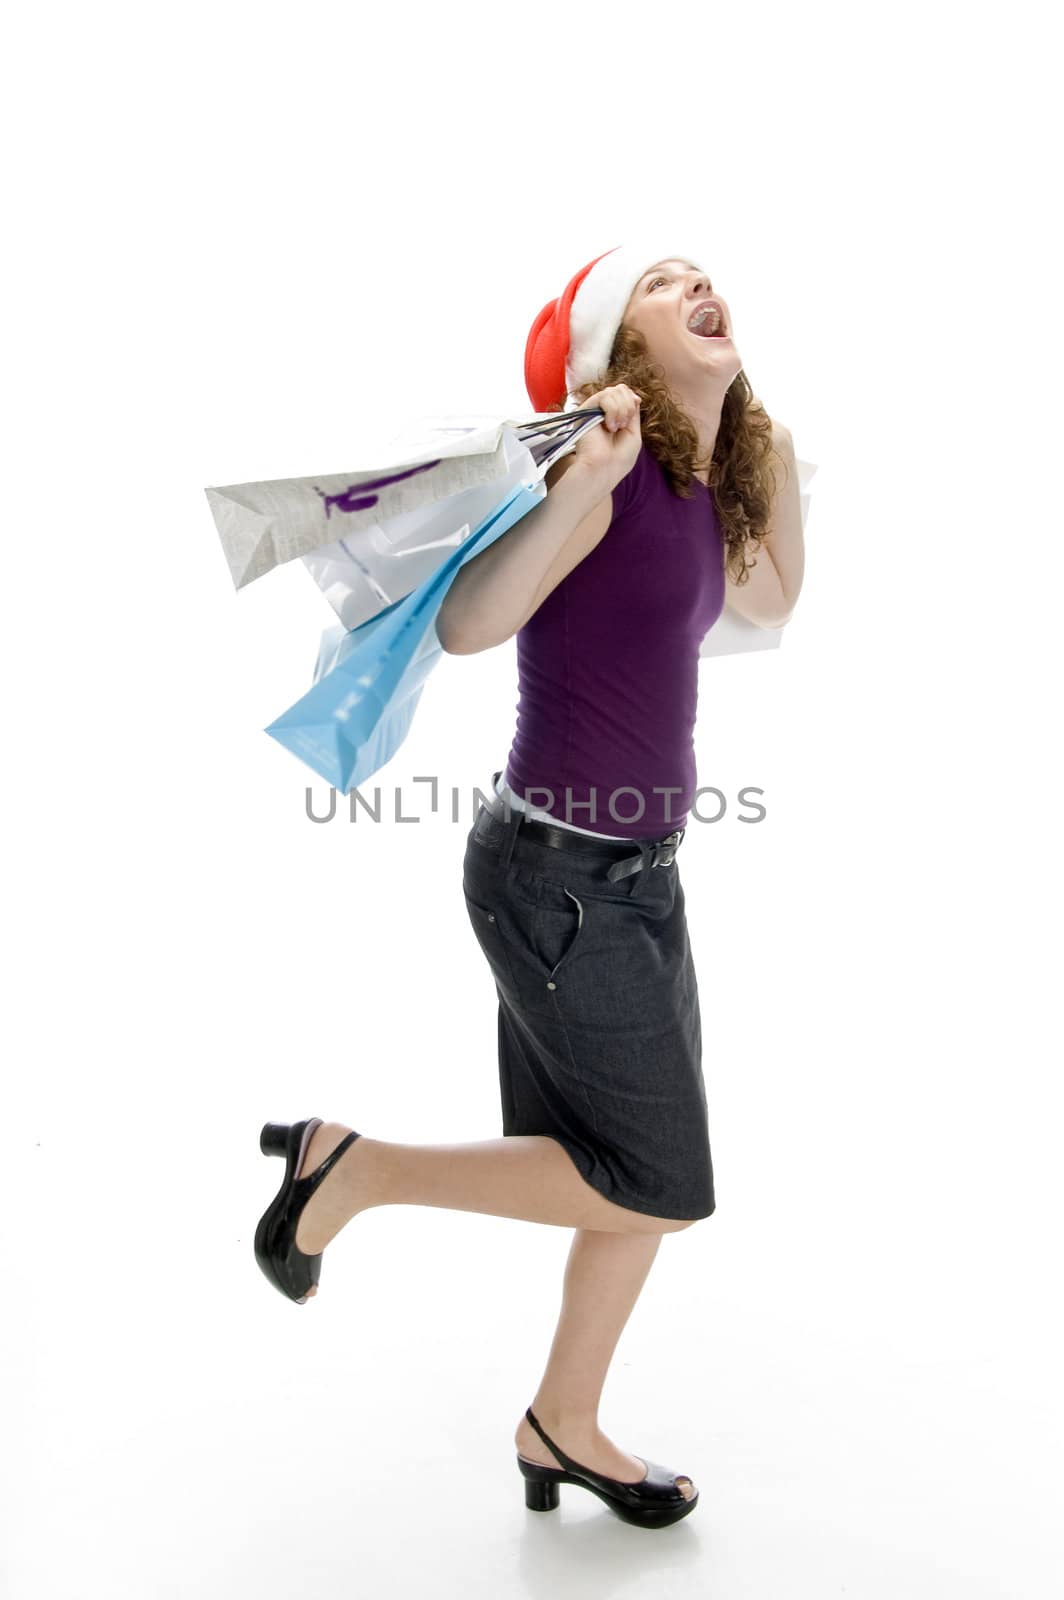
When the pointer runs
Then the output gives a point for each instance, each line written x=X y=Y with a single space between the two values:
x=273 y=1140
x=541 y=1496
x=541 y=1485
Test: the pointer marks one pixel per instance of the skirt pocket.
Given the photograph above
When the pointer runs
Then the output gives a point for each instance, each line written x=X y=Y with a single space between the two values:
x=557 y=923
x=529 y=929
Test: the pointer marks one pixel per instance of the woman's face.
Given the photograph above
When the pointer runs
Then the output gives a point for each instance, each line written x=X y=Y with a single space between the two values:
x=661 y=307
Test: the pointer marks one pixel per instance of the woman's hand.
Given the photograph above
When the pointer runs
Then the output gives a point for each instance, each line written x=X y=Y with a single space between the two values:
x=608 y=451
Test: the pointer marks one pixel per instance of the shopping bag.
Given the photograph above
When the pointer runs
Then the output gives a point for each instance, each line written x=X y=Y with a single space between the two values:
x=368 y=680
x=368 y=569
x=264 y=525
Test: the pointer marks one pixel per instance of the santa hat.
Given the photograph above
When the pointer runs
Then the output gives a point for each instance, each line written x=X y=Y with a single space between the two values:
x=570 y=341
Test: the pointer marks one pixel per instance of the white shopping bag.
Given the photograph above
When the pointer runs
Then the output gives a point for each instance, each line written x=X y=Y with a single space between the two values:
x=264 y=525
x=372 y=567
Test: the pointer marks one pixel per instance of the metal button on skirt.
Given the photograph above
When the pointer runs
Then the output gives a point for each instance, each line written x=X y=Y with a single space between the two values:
x=600 y=1038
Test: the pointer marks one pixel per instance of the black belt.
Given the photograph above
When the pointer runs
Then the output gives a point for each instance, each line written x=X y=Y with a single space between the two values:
x=660 y=852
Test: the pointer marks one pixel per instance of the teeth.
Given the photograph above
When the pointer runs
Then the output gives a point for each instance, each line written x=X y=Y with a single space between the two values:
x=702 y=316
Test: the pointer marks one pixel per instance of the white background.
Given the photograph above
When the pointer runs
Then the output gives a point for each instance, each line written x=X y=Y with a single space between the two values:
x=247 y=237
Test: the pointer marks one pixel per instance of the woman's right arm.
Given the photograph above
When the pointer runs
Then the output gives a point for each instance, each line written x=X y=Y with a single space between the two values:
x=495 y=593
x=492 y=594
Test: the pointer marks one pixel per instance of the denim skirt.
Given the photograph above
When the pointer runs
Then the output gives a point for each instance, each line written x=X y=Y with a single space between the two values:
x=600 y=1036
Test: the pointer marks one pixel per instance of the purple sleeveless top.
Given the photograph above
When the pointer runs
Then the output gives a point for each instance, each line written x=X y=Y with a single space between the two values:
x=608 y=666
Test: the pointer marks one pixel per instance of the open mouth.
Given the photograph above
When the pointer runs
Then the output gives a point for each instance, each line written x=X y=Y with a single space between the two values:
x=708 y=323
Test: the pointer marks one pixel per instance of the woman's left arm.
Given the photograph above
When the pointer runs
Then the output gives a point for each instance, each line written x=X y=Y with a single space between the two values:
x=773 y=584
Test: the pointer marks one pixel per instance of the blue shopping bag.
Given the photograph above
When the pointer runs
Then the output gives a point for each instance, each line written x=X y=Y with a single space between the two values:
x=368 y=680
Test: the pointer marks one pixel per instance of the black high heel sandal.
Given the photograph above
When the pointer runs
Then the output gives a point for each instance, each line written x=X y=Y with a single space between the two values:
x=654 y=1502
x=284 y=1264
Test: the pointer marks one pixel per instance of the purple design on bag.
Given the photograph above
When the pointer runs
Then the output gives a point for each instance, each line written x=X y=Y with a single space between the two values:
x=356 y=498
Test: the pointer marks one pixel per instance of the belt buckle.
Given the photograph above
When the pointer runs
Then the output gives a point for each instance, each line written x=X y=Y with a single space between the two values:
x=665 y=852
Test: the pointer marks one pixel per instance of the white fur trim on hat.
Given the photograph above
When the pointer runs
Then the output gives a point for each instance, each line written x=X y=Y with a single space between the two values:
x=598 y=309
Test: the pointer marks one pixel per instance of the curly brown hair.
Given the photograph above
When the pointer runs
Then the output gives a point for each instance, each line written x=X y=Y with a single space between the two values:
x=740 y=477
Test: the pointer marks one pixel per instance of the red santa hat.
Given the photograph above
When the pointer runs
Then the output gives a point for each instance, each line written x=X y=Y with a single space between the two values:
x=570 y=341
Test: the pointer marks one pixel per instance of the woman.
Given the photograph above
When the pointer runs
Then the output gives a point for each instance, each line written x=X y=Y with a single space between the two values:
x=571 y=876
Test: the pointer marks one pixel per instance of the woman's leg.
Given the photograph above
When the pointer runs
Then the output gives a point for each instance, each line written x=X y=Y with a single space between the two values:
x=532 y=1178
x=603 y=1277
